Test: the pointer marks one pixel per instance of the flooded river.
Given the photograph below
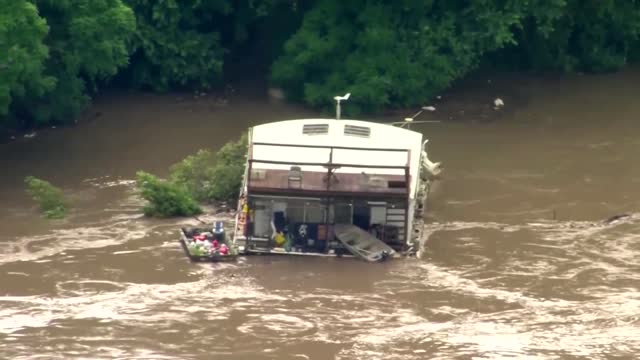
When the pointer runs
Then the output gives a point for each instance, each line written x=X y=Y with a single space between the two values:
x=518 y=263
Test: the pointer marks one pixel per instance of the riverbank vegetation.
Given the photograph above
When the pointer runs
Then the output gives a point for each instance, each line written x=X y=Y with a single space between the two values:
x=49 y=197
x=56 y=55
x=203 y=177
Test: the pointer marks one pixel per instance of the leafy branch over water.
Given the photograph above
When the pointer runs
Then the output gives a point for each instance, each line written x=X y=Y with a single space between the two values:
x=202 y=177
x=49 y=197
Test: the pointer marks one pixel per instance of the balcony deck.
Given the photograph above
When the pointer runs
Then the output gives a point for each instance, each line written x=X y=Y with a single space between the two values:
x=277 y=181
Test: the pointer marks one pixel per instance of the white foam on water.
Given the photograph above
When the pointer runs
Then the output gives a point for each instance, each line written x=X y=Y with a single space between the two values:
x=270 y=325
x=105 y=182
x=600 y=322
x=139 y=303
x=382 y=323
x=127 y=252
x=58 y=241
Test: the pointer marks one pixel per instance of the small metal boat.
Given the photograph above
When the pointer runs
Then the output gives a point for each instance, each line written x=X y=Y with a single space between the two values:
x=362 y=244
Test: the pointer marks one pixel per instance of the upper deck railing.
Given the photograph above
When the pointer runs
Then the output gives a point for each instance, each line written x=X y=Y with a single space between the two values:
x=332 y=166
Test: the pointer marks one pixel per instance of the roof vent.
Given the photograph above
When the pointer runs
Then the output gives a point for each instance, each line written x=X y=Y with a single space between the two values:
x=354 y=130
x=315 y=129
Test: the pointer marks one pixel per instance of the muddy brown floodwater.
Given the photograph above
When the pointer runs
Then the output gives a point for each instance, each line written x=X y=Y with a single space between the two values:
x=499 y=278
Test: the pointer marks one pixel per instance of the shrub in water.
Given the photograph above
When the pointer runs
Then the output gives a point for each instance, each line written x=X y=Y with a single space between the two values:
x=49 y=197
x=228 y=170
x=165 y=198
x=226 y=182
x=202 y=177
x=194 y=173
x=213 y=177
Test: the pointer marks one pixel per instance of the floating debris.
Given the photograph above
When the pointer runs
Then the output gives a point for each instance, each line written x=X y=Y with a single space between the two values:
x=276 y=94
x=498 y=103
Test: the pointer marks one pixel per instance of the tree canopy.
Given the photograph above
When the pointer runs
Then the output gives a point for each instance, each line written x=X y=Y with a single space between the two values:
x=177 y=43
x=22 y=53
x=58 y=51
x=56 y=54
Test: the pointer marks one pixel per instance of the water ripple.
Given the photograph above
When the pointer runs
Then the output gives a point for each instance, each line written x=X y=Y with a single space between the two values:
x=486 y=290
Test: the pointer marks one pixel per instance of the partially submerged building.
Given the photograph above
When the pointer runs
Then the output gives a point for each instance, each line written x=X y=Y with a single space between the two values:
x=331 y=187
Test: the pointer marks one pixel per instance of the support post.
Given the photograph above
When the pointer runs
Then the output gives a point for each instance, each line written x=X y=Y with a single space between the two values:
x=327 y=240
x=330 y=169
x=245 y=230
x=407 y=176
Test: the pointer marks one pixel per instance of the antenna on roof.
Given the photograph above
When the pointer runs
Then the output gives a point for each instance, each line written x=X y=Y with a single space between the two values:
x=338 y=99
x=409 y=120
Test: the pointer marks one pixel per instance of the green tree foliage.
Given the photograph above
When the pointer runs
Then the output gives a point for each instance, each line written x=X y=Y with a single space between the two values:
x=203 y=177
x=164 y=198
x=194 y=173
x=185 y=43
x=22 y=53
x=55 y=53
x=49 y=197
x=576 y=35
x=178 y=43
x=259 y=28
x=86 y=43
x=228 y=171
x=389 y=53
x=208 y=177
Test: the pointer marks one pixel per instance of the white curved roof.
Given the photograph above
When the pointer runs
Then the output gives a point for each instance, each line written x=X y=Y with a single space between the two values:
x=345 y=133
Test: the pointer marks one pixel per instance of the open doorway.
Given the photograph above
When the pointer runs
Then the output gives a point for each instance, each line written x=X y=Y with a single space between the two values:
x=361 y=215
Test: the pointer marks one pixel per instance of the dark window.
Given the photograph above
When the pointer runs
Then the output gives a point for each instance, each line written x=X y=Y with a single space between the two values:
x=397 y=184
